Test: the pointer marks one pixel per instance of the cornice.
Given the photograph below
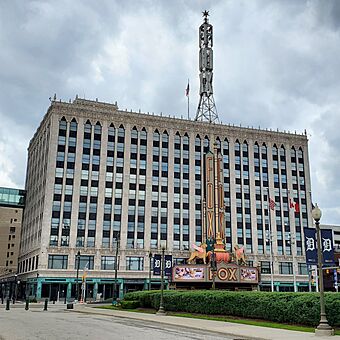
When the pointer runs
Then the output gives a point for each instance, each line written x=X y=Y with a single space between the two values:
x=96 y=111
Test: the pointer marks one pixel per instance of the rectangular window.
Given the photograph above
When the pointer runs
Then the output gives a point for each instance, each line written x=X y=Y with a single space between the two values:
x=57 y=261
x=303 y=269
x=265 y=267
x=85 y=261
x=134 y=263
x=286 y=268
x=108 y=263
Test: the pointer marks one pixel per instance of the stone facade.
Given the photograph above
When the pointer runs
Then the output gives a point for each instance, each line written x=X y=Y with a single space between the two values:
x=40 y=186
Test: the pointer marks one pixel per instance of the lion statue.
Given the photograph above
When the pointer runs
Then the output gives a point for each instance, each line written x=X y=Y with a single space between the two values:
x=198 y=253
x=239 y=255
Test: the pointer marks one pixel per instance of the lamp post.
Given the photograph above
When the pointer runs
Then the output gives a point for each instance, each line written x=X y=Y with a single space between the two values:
x=161 y=310
x=150 y=262
x=15 y=288
x=269 y=238
x=291 y=241
x=116 y=269
x=36 y=291
x=324 y=328
x=77 y=284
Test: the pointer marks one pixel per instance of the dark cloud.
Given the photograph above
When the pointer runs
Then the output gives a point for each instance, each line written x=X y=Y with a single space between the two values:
x=275 y=62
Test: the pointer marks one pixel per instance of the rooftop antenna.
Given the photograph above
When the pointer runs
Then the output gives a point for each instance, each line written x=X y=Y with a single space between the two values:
x=206 y=107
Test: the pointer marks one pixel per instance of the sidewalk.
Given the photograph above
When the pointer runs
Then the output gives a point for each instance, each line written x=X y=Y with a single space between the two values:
x=225 y=328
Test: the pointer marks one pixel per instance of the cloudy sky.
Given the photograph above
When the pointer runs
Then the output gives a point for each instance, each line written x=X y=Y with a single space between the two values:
x=276 y=65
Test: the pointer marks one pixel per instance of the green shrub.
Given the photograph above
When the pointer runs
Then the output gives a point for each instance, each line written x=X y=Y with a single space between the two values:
x=130 y=304
x=297 y=308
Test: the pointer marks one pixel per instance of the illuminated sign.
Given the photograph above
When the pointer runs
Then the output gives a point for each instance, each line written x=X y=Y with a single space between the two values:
x=228 y=273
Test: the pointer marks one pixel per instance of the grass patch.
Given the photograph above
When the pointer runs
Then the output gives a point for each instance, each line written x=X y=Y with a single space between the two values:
x=252 y=322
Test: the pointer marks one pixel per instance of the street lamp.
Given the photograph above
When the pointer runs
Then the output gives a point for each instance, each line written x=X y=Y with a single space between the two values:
x=161 y=310
x=15 y=288
x=291 y=242
x=324 y=328
x=77 y=284
x=269 y=238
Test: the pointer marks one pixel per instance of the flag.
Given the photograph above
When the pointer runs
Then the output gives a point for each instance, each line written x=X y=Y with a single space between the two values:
x=187 y=90
x=294 y=205
x=272 y=204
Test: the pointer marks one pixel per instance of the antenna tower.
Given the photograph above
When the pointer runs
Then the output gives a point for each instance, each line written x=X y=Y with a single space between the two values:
x=206 y=107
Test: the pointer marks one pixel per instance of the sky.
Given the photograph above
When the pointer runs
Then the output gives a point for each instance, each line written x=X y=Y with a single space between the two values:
x=276 y=65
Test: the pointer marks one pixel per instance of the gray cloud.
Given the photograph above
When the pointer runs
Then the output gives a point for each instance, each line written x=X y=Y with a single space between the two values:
x=276 y=66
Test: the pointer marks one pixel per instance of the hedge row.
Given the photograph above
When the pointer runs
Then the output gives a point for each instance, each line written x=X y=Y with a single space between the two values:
x=295 y=308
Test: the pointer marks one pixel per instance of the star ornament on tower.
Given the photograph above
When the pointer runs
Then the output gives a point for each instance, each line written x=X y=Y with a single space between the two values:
x=206 y=14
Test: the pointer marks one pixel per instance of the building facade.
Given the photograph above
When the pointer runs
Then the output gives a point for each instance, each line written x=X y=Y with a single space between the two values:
x=12 y=202
x=96 y=174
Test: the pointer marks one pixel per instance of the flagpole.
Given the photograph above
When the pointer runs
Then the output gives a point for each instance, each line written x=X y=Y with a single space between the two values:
x=292 y=238
x=270 y=246
x=188 y=95
x=188 y=108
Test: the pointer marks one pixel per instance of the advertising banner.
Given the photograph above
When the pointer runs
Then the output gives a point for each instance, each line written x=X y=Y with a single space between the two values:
x=167 y=265
x=310 y=246
x=157 y=264
x=327 y=247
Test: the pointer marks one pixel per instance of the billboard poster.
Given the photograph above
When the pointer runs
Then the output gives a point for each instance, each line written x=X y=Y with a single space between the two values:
x=248 y=275
x=188 y=273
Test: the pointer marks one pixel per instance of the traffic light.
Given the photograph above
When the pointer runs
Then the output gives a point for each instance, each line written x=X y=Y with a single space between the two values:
x=312 y=277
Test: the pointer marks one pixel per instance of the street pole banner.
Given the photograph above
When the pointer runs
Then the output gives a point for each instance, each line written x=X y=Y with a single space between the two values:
x=310 y=246
x=327 y=247
x=168 y=265
x=326 y=244
x=157 y=258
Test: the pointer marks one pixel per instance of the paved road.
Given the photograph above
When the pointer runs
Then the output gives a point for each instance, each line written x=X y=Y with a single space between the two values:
x=18 y=324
